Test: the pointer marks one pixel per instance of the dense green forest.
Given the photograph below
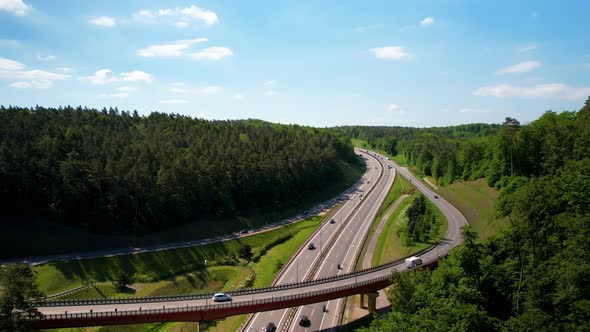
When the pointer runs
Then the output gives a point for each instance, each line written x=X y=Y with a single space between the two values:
x=533 y=276
x=113 y=171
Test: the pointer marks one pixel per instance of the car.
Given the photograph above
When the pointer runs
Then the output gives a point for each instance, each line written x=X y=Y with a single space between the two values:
x=270 y=327
x=435 y=196
x=311 y=246
x=332 y=221
x=221 y=297
x=244 y=231
x=304 y=321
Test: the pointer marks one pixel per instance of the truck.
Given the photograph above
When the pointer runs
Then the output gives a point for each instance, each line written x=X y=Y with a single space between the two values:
x=413 y=262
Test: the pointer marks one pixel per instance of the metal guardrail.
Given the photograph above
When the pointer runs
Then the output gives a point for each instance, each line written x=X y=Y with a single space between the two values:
x=206 y=307
x=69 y=291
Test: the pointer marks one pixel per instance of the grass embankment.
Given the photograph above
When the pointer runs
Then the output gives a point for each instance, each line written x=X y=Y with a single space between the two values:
x=476 y=200
x=51 y=238
x=276 y=247
x=389 y=245
x=400 y=187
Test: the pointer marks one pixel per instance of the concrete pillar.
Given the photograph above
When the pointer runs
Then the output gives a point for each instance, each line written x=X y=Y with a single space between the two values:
x=372 y=302
x=362 y=300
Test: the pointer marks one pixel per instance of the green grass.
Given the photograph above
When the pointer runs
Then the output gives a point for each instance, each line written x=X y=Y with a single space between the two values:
x=400 y=186
x=389 y=246
x=476 y=200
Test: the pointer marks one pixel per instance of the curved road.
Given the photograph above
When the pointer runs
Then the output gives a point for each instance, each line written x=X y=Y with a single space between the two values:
x=353 y=220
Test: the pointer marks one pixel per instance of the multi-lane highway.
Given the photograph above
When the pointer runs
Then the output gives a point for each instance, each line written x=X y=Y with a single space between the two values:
x=336 y=244
x=345 y=237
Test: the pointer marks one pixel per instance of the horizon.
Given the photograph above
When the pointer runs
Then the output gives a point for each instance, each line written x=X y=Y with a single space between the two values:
x=436 y=64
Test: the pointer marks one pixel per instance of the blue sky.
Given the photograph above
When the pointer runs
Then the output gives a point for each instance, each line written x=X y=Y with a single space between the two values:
x=319 y=63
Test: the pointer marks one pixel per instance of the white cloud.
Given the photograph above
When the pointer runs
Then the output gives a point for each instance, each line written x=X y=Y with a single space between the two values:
x=238 y=96
x=120 y=95
x=136 y=76
x=171 y=49
x=392 y=107
x=390 y=52
x=103 y=21
x=427 y=21
x=173 y=101
x=527 y=48
x=10 y=43
x=472 y=110
x=367 y=27
x=395 y=109
x=212 y=53
x=270 y=83
x=180 y=17
x=210 y=90
x=179 y=90
x=553 y=90
x=271 y=92
x=104 y=76
x=177 y=84
x=127 y=88
x=64 y=69
x=17 y=7
x=21 y=85
x=519 y=67
x=36 y=78
x=101 y=77
x=48 y=57
x=6 y=64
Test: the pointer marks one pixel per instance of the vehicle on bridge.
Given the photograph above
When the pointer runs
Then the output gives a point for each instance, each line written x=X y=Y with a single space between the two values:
x=304 y=321
x=221 y=297
x=311 y=246
x=413 y=262
x=271 y=327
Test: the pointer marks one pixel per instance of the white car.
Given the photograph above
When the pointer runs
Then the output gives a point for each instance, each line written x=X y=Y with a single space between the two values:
x=221 y=297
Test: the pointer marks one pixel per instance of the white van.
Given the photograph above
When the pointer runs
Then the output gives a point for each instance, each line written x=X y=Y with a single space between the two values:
x=413 y=262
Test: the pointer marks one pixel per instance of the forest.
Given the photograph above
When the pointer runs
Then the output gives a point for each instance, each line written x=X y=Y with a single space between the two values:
x=534 y=275
x=114 y=171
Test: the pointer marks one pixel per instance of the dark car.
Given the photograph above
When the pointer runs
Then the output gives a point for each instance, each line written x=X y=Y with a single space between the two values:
x=435 y=196
x=311 y=246
x=304 y=321
x=270 y=327
x=332 y=221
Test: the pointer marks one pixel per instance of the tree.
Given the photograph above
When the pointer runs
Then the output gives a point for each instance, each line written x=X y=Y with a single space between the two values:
x=17 y=289
x=122 y=281
x=246 y=252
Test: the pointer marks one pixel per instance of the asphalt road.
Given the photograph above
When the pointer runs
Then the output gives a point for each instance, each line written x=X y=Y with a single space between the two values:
x=354 y=219
x=354 y=225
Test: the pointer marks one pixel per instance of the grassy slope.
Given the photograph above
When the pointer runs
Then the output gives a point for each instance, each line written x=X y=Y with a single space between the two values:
x=476 y=201
x=389 y=246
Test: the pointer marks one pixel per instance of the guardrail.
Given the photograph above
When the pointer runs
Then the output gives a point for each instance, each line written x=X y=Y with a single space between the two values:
x=69 y=291
x=206 y=307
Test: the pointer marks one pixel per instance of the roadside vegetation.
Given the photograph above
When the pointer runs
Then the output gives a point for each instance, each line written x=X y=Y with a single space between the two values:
x=530 y=272
x=127 y=176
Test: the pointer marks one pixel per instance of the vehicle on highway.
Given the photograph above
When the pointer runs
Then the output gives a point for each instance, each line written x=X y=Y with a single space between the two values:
x=413 y=262
x=435 y=196
x=270 y=327
x=244 y=231
x=332 y=221
x=304 y=321
x=311 y=246
x=221 y=297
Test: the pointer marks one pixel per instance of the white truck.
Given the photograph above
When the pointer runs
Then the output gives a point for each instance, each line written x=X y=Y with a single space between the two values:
x=413 y=262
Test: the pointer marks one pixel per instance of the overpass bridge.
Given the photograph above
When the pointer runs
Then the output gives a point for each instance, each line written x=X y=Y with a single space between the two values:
x=193 y=308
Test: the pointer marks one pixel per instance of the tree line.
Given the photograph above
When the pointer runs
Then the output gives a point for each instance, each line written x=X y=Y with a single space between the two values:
x=533 y=276
x=114 y=170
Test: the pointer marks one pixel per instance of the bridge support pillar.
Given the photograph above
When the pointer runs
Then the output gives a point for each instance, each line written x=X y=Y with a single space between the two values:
x=372 y=302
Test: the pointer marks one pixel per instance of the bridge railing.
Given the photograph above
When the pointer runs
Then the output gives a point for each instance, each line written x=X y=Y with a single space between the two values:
x=74 y=302
x=214 y=306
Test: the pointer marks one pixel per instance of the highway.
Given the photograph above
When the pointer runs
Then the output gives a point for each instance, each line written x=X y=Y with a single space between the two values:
x=352 y=222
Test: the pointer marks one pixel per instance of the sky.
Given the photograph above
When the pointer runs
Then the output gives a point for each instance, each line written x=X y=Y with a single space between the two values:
x=319 y=63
